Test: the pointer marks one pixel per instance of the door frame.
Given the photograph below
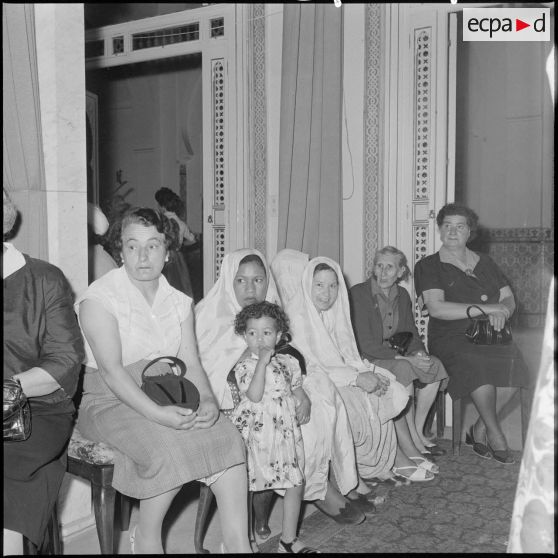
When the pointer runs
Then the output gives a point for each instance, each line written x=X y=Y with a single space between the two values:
x=226 y=210
x=419 y=126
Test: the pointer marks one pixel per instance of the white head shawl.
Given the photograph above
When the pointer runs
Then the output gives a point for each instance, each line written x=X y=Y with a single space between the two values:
x=218 y=345
x=287 y=268
x=326 y=339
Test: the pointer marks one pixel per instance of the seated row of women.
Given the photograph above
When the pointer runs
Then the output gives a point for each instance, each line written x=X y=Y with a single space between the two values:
x=325 y=436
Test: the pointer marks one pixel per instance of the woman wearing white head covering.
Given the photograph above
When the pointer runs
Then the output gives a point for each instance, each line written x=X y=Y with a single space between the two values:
x=321 y=327
x=327 y=436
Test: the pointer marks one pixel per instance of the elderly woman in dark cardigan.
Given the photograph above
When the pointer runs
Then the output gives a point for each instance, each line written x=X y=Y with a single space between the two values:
x=379 y=308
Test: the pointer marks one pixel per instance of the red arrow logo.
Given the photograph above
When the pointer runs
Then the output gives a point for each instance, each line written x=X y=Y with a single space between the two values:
x=519 y=25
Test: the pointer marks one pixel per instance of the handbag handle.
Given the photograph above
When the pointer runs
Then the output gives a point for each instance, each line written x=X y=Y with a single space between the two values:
x=174 y=360
x=475 y=306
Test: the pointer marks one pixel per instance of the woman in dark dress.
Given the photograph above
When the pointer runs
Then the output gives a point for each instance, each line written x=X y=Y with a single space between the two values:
x=176 y=269
x=43 y=351
x=448 y=282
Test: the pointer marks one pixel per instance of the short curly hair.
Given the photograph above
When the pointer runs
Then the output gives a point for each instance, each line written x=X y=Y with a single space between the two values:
x=393 y=251
x=260 y=310
x=464 y=211
x=171 y=201
x=148 y=218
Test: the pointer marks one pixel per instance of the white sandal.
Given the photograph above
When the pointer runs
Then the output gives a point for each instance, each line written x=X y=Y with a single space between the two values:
x=418 y=475
x=426 y=464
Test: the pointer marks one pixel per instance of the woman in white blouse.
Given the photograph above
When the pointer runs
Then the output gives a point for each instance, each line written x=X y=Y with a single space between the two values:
x=128 y=317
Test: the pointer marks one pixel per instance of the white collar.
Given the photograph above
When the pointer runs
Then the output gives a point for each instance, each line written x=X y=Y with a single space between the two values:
x=12 y=260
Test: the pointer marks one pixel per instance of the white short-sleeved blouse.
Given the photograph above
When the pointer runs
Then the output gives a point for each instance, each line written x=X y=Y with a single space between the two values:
x=146 y=332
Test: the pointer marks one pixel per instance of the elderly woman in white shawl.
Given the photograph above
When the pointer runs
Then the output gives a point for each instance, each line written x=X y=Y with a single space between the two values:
x=321 y=327
x=245 y=279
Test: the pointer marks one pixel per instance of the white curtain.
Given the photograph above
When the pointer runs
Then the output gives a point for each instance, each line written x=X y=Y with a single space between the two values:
x=23 y=166
x=310 y=189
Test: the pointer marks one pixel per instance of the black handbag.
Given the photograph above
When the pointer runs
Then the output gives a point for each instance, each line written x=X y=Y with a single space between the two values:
x=16 y=412
x=400 y=341
x=481 y=332
x=170 y=389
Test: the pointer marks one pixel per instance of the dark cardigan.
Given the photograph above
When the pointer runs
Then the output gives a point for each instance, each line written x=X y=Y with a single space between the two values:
x=367 y=322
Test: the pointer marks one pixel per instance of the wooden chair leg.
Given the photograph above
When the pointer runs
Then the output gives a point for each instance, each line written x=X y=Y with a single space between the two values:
x=524 y=403
x=104 y=499
x=29 y=548
x=440 y=414
x=204 y=506
x=456 y=426
x=54 y=533
x=125 y=512
x=251 y=531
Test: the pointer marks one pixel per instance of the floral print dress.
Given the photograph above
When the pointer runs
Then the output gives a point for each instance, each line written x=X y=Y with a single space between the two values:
x=269 y=427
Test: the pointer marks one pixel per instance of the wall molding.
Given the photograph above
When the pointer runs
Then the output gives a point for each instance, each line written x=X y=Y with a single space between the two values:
x=517 y=234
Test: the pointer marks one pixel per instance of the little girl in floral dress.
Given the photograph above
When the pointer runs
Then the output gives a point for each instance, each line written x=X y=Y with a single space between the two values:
x=272 y=406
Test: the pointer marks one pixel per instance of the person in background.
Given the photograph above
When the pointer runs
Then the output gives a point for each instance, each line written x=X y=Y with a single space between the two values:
x=43 y=352
x=176 y=269
x=380 y=307
x=448 y=283
x=100 y=261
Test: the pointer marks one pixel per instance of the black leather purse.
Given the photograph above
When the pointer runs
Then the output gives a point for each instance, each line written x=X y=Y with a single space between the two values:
x=170 y=389
x=400 y=341
x=481 y=332
x=16 y=412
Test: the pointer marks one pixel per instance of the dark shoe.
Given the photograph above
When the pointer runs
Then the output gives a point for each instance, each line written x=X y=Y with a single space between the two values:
x=478 y=447
x=434 y=450
x=366 y=505
x=295 y=547
x=347 y=515
x=262 y=530
x=502 y=456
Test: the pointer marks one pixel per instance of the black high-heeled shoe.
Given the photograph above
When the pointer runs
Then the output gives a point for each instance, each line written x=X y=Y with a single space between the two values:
x=479 y=448
x=502 y=456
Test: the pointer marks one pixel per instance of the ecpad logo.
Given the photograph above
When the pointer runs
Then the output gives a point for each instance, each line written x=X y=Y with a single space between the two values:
x=506 y=24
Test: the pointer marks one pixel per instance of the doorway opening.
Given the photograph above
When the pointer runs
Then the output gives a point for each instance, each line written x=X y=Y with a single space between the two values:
x=149 y=132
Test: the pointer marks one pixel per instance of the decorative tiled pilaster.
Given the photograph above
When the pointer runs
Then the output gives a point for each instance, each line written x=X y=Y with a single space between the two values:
x=258 y=130
x=372 y=98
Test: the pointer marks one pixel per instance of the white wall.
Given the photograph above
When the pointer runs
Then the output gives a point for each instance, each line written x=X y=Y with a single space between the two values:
x=62 y=98
x=504 y=133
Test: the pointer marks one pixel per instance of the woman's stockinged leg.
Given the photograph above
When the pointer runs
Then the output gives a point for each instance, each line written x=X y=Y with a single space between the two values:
x=231 y=493
x=404 y=438
x=152 y=511
x=291 y=512
x=425 y=397
x=484 y=398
